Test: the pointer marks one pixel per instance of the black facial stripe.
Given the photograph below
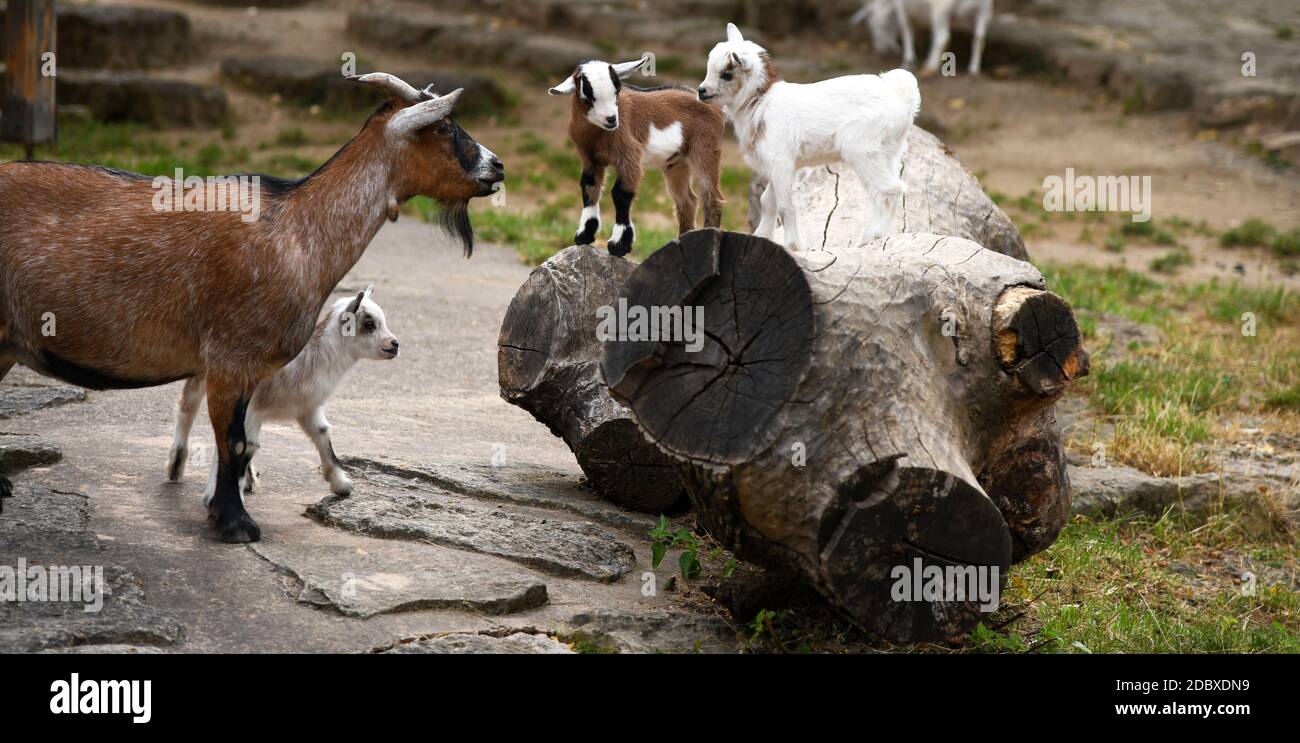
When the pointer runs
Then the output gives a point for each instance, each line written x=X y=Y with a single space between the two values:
x=585 y=86
x=618 y=84
x=465 y=148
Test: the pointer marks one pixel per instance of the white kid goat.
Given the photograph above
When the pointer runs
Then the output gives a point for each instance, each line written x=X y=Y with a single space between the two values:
x=354 y=329
x=860 y=120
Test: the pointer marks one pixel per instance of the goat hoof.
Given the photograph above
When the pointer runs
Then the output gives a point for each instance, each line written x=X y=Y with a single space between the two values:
x=587 y=235
x=620 y=248
x=176 y=460
x=341 y=485
x=234 y=526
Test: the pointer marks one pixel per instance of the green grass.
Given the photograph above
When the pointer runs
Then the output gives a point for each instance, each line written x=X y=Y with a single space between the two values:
x=1134 y=584
x=1149 y=232
x=291 y=137
x=138 y=149
x=1253 y=232
x=1141 y=586
x=1172 y=262
x=1165 y=404
x=1287 y=399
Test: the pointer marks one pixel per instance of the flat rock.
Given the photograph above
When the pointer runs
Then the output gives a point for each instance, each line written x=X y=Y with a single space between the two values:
x=20 y=400
x=43 y=524
x=615 y=630
x=112 y=649
x=132 y=96
x=1114 y=491
x=406 y=31
x=392 y=507
x=123 y=619
x=116 y=37
x=521 y=484
x=385 y=580
x=549 y=56
x=306 y=83
x=519 y=643
x=20 y=451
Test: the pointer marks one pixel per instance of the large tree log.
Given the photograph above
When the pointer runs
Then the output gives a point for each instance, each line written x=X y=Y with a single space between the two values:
x=548 y=358
x=856 y=410
x=943 y=198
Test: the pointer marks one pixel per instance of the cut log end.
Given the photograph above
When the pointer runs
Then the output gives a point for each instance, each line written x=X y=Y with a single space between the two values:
x=713 y=403
x=902 y=525
x=548 y=357
x=1038 y=341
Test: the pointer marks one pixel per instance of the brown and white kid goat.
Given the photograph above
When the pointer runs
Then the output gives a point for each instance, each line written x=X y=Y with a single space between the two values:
x=140 y=296
x=632 y=128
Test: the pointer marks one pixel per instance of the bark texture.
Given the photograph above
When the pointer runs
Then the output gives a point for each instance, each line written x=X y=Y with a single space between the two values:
x=548 y=358
x=854 y=411
x=943 y=198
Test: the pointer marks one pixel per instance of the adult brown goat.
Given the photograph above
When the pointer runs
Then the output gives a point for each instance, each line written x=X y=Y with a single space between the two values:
x=137 y=295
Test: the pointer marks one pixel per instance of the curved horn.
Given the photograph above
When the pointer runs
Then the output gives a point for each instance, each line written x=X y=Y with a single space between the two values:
x=424 y=113
x=390 y=84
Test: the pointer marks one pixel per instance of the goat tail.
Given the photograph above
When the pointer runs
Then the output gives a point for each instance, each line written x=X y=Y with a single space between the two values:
x=880 y=19
x=903 y=84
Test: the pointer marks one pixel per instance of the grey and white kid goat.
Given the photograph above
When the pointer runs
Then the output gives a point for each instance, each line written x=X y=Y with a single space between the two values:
x=354 y=329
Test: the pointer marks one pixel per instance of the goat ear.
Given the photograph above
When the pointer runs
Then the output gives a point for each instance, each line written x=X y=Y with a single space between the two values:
x=739 y=61
x=623 y=69
x=390 y=84
x=564 y=88
x=733 y=33
x=414 y=118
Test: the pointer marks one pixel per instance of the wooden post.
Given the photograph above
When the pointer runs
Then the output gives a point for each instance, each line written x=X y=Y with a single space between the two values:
x=28 y=103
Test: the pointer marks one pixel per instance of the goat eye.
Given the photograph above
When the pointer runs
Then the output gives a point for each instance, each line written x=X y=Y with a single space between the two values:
x=369 y=325
x=727 y=76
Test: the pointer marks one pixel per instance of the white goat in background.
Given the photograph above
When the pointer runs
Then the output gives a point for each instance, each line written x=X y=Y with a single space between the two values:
x=861 y=120
x=354 y=329
x=887 y=19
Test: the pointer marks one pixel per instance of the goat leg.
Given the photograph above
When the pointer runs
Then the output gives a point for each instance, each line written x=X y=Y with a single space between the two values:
x=592 y=183
x=707 y=182
x=186 y=408
x=678 y=178
x=938 y=41
x=5 y=486
x=981 y=28
x=317 y=428
x=620 y=242
x=227 y=407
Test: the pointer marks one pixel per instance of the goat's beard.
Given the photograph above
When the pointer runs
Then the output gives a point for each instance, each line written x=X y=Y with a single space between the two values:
x=453 y=218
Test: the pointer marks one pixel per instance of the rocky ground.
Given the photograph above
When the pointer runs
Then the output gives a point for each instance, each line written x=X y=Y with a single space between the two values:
x=469 y=531
x=439 y=549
